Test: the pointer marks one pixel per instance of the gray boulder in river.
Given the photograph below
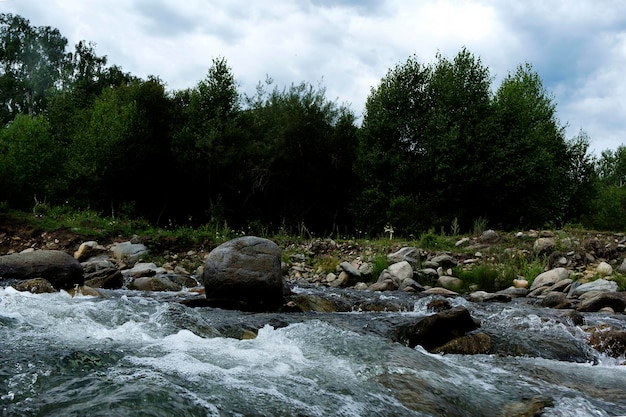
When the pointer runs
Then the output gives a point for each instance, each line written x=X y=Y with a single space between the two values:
x=57 y=267
x=245 y=274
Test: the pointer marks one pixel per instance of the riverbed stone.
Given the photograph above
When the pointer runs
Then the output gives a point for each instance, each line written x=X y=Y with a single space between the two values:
x=245 y=273
x=61 y=269
x=401 y=271
x=471 y=344
x=410 y=254
x=554 y=299
x=609 y=341
x=550 y=277
x=604 y=269
x=436 y=330
x=601 y=285
x=88 y=250
x=602 y=300
x=153 y=283
x=35 y=286
x=128 y=251
x=450 y=283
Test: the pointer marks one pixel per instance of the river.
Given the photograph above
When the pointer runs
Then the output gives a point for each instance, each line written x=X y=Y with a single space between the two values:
x=134 y=354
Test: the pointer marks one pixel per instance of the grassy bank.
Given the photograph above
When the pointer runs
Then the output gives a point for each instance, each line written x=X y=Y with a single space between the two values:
x=487 y=267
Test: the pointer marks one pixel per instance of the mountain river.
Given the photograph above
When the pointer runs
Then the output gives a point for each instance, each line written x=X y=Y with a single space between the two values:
x=137 y=354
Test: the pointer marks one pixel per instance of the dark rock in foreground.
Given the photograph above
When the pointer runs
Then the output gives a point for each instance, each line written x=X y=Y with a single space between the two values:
x=434 y=331
x=57 y=267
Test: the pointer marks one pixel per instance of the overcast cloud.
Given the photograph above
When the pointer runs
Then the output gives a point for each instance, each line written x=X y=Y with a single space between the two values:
x=577 y=47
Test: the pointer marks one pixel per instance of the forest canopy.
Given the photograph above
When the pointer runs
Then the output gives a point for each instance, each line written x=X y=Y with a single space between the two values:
x=438 y=145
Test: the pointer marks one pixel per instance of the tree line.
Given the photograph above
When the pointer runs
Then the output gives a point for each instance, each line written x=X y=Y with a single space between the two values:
x=437 y=146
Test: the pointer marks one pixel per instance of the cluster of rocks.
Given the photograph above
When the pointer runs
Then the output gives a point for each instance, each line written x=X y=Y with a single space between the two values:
x=570 y=281
x=247 y=274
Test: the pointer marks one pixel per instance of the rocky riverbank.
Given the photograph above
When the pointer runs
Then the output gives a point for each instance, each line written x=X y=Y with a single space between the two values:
x=583 y=273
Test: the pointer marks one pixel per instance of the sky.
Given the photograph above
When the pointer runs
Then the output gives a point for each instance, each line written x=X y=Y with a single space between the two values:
x=578 y=47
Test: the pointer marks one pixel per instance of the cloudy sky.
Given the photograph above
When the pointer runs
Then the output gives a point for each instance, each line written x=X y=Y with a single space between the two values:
x=578 y=47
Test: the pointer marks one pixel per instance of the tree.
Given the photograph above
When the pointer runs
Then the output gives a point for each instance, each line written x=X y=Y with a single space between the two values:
x=32 y=61
x=118 y=158
x=420 y=143
x=203 y=139
x=297 y=159
x=29 y=161
x=531 y=160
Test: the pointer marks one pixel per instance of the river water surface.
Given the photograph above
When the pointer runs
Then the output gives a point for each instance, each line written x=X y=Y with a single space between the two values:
x=132 y=354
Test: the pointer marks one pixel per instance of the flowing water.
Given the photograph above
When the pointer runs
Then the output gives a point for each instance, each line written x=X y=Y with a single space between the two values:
x=132 y=354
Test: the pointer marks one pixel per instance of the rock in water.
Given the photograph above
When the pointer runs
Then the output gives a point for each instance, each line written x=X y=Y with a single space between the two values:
x=58 y=267
x=434 y=331
x=245 y=273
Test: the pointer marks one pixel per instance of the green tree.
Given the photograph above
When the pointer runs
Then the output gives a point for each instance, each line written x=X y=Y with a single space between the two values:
x=204 y=142
x=420 y=145
x=532 y=162
x=118 y=158
x=32 y=62
x=29 y=161
x=298 y=158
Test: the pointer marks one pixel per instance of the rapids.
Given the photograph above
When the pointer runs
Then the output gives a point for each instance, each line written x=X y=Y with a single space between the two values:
x=134 y=354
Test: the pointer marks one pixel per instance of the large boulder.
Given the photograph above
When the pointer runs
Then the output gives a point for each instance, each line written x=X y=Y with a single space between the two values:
x=57 y=267
x=245 y=274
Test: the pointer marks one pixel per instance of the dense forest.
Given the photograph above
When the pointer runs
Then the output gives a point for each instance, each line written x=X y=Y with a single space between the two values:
x=438 y=147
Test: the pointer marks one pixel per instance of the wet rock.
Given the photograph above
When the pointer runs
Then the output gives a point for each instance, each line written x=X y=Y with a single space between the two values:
x=436 y=330
x=610 y=341
x=143 y=269
x=35 y=286
x=59 y=268
x=530 y=407
x=514 y=292
x=556 y=300
x=602 y=300
x=153 y=284
x=574 y=317
x=314 y=303
x=472 y=344
x=109 y=279
x=245 y=273
x=438 y=305
x=440 y=291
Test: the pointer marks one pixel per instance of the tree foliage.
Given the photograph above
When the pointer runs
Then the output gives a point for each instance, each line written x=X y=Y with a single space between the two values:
x=32 y=60
x=435 y=146
x=438 y=145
